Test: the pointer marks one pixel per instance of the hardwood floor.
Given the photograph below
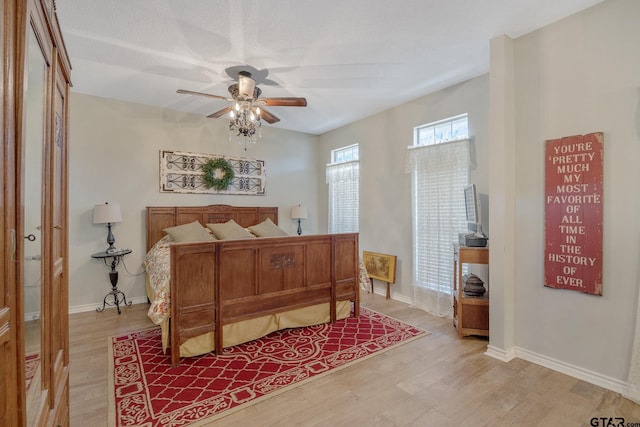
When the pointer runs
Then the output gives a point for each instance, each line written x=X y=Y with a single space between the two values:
x=437 y=380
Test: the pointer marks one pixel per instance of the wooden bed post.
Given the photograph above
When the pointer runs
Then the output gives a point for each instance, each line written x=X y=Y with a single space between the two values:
x=218 y=346
x=193 y=299
x=334 y=281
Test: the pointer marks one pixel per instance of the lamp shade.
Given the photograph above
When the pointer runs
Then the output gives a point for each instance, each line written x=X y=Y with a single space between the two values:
x=107 y=213
x=298 y=212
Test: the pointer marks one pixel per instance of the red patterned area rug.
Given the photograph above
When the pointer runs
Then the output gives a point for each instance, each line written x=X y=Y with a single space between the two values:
x=144 y=390
x=32 y=362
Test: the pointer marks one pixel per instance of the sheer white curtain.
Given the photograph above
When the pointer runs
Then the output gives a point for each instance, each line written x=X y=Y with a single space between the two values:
x=344 y=202
x=439 y=174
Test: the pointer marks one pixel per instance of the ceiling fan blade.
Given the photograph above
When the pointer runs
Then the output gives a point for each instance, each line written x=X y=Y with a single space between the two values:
x=220 y=113
x=190 y=92
x=284 y=102
x=246 y=85
x=268 y=117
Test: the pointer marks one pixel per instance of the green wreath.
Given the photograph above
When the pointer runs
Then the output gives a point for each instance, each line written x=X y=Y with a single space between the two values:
x=210 y=168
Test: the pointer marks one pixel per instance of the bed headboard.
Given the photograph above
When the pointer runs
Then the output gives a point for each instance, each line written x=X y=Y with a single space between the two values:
x=159 y=218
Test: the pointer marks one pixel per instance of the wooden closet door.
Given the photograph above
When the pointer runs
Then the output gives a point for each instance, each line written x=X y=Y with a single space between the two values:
x=10 y=352
x=17 y=19
x=58 y=294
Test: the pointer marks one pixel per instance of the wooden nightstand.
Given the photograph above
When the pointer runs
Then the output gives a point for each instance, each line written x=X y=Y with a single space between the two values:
x=470 y=314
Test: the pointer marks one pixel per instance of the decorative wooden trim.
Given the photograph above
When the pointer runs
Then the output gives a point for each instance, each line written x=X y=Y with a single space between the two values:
x=181 y=172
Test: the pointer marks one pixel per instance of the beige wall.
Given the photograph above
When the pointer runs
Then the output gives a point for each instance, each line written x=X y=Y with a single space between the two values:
x=114 y=157
x=385 y=187
x=577 y=76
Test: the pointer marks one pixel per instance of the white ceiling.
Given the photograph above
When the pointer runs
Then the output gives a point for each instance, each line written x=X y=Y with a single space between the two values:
x=349 y=58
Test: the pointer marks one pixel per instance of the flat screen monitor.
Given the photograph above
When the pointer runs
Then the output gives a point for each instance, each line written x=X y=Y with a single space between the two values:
x=471 y=207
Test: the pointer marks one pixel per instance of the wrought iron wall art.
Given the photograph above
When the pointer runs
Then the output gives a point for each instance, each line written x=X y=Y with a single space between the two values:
x=181 y=172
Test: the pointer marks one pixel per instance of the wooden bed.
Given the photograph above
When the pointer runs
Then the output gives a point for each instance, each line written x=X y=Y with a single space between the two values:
x=217 y=283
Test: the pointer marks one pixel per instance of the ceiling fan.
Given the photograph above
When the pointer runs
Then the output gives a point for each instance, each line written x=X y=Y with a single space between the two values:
x=246 y=98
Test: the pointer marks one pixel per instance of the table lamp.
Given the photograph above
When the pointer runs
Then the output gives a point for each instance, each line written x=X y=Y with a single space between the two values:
x=107 y=214
x=299 y=212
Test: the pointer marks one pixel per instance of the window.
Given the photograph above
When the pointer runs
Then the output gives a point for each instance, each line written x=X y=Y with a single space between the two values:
x=452 y=129
x=343 y=177
x=345 y=154
x=439 y=164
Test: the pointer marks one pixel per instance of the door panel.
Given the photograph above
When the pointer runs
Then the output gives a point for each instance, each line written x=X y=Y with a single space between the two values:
x=58 y=208
x=11 y=374
x=33 y=142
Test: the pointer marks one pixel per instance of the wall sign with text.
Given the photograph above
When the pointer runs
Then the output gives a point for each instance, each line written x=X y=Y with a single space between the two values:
x=573 y=213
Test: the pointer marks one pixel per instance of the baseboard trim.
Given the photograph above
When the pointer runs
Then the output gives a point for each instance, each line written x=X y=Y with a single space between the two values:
x=92 y=307
x=605 y=381
x=591 y=377
x=401 y=298
x=500 y=354
x=395 y=297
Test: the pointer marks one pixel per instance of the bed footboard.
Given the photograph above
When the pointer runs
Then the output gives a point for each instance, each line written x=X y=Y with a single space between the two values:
x=222 y=282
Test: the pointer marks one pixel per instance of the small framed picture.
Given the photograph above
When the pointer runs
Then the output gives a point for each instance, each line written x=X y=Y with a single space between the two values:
x=380 y=266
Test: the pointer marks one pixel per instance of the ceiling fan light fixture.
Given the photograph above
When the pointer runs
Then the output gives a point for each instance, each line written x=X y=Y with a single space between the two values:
x=245 y=114
x=244 y=123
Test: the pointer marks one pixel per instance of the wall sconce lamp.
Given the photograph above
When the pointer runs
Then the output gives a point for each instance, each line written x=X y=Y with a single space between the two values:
x=107 y=214
x=298 y=213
